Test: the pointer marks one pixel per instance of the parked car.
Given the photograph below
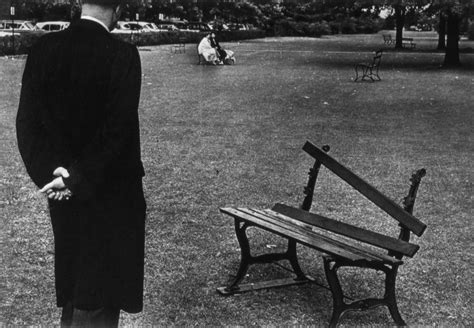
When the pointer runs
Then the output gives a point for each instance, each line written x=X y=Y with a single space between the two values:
x=18 y=25
x=218 y=26
x=52 y=26
x=182 y=26
x=167 y=27
x=199 y=26
x=251 y=27
x=5 y=33
x=128 y=27
x=135 y=27
x=194 y=27
x=148 y=27
x=237 y=27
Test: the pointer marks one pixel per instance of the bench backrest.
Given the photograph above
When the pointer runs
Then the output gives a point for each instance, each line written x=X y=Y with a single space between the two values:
x=407 y=221
x=377 y=58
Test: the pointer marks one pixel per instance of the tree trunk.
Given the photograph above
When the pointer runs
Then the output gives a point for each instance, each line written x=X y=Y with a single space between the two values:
x=399 y=23
x=75 y=10
x=442 y=32
x=451 y=57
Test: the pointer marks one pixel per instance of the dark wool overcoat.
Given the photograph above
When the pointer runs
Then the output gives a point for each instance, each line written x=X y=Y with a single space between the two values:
x=79 y=110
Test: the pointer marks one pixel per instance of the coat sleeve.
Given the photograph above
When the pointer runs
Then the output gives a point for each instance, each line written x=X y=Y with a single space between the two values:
x=38 y=146
x=120 y=132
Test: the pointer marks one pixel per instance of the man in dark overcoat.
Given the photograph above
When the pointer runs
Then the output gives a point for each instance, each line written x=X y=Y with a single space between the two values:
x=78 y=135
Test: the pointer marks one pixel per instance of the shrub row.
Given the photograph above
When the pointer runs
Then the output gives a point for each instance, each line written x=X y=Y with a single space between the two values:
x=24 y=41
x=150 y=39
x=293 y=28
x=288 y=27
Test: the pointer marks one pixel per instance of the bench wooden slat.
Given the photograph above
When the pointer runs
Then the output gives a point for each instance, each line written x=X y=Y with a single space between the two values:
x=360 y=234
x=306 y=237
x=285 y=221
x=303 y=239
x=348 y=244
x=288 y=224
x=382 y=201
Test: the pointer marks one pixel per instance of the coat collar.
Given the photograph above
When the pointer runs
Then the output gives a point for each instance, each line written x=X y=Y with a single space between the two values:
x=87 y=24
x=93 y=19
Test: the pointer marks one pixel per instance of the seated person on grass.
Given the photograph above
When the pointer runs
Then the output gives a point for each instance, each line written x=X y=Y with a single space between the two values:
x=207 y=51
x=221 y=53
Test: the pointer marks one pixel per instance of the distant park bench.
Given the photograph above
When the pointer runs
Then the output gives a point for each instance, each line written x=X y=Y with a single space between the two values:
x=180 y=47
x=369 y=70
x=408 y=43
x=387 y=39
x=323 y=234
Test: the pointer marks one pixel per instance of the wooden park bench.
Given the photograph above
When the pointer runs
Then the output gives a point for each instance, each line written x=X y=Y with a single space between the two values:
x=180 y=47
x=408 y=43
x=369 y=70
x=343 y=244
x=387 y=39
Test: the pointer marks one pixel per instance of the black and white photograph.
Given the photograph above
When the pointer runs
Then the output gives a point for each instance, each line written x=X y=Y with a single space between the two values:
x=236 y=163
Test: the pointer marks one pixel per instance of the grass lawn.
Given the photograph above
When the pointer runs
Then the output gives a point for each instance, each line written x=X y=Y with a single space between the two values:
x=232 y=135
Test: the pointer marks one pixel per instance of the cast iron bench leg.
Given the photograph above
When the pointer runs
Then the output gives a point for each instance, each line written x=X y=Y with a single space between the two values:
x=247 y=259
x=336 y=290
x=340 y=307
x=245 y=254
x=365 y=70
x=390 y=296
x=293 y=258
x=362 y=74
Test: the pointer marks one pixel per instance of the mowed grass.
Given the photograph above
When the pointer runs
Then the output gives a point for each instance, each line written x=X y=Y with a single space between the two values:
x=232 y=135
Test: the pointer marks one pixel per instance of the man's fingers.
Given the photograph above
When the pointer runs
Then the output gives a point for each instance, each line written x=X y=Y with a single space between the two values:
x=61 y=172
x=57 y=183
x=47 y=187
x=62 y=195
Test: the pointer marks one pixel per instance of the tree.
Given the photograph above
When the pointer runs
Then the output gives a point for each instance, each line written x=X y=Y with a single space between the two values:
x=75 y=10
x=441 y=31
x=400 y=11
x=401 y=7
x=453 y=12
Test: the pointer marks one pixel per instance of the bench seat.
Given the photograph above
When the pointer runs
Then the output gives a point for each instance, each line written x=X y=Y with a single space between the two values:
x=305 y=234
x=408 y=42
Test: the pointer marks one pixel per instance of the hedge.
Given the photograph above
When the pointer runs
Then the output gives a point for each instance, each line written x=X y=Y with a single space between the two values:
x=25 y=40
x=21 y=41
x=290 y=27
x=286 y=27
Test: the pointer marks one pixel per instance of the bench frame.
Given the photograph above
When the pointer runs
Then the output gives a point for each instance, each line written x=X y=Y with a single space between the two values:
x=180 y=47
x=371 y=70
x=408 y=43
x=387 y=39
x=332 y=260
